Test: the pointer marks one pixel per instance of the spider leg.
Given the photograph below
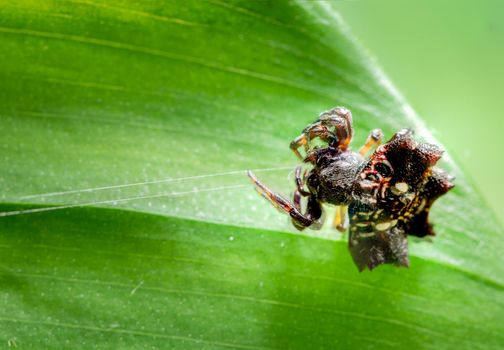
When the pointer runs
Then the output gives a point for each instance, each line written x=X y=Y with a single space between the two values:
x=341 y=119
x=313 y=207
x=299 y=220
x=300 y=182
x=374 y=139
x=297 y=204
x=309 y=133
x=340 y=221
x=299 y=141
x=296 y=199
x=314 y=211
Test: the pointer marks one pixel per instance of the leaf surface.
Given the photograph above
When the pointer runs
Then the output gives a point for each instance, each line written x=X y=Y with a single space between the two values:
x=159 y=108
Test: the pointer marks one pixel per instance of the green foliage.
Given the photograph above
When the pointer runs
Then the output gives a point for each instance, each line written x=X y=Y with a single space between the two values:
x=101 y=94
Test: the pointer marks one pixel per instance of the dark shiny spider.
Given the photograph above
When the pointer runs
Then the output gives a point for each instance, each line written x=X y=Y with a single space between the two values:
x=387 y=196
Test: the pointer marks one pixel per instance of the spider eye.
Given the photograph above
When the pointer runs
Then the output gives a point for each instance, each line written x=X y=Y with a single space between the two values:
x=384 y=169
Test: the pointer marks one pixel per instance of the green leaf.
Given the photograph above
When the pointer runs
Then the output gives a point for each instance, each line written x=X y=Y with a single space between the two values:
x=158 y=109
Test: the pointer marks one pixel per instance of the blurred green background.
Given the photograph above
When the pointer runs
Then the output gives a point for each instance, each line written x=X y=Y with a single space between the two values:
x=446 y=58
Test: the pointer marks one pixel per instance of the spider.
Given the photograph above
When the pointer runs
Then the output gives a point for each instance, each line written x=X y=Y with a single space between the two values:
x=386 y=197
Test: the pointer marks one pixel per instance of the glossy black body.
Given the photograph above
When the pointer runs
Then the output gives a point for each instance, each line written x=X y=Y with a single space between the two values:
x=388 y=195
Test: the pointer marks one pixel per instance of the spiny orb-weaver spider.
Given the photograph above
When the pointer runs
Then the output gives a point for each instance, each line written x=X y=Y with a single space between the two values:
x=387 y=196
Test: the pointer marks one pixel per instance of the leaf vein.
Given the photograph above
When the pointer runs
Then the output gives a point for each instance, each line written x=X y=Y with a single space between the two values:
x=164 y=54
x=132 y=332
x=238 y=297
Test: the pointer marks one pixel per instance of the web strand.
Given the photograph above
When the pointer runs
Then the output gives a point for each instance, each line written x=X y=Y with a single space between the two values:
x=180 y=179
x=113 y=201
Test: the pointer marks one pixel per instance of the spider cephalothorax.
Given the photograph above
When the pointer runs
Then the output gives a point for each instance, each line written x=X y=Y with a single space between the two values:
x=388 y=196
